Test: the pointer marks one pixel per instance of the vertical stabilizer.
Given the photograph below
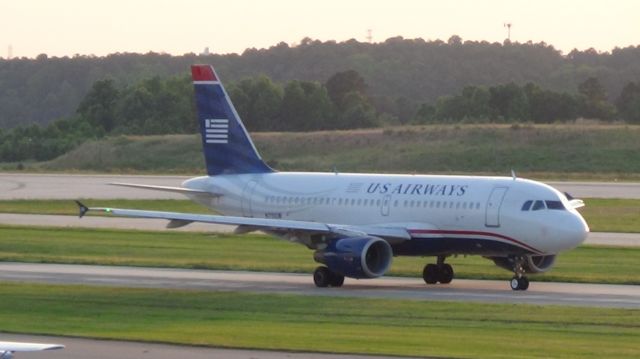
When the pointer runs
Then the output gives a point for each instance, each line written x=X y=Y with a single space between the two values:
x=227 y=147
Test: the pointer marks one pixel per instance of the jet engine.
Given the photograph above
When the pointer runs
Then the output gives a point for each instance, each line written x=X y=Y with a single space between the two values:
x=357 y=257
x=532 y=264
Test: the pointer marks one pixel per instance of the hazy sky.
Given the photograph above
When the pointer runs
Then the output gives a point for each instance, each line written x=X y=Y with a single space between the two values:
x=68 y=27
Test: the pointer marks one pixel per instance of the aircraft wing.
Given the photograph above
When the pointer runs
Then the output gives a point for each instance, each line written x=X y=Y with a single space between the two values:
x=268 y=224
x=12 y=347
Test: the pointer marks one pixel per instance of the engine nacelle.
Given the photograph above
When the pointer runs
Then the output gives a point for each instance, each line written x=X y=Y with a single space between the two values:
x=357 y=257
x=532 y=264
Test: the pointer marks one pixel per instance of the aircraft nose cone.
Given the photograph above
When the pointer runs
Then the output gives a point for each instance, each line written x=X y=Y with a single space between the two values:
x=576 y=230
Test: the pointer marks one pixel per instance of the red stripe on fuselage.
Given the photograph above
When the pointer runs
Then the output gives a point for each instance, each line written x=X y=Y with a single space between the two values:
x=202 y=73
x=473 y=233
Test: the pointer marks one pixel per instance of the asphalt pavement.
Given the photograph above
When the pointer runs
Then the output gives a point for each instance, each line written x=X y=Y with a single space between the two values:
x=78 y=348
x=66 y=186
x=462 y=290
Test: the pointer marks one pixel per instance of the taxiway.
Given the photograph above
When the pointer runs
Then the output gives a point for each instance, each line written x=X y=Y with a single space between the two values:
x=78 y=348
x=487 y=291
x=65 y=186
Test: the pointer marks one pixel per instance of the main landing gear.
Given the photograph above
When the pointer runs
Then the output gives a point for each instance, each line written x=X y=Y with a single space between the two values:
x=323 y=278
x=519 y=280
x=440 y=272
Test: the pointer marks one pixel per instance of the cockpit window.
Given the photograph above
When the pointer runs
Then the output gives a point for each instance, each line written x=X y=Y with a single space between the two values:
x=526 y=205
x=555 y=205
x=538 y=205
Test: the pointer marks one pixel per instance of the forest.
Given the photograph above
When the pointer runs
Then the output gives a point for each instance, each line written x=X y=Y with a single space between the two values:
x=51 y=105
x=401 y=74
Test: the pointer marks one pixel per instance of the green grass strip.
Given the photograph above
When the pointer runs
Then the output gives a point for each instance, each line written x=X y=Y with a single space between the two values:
x=322 y=324
x=603 y=215
x=256 y=252
x=612 y=215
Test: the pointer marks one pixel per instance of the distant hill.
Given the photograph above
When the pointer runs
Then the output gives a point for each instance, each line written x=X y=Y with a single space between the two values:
x=414 y=71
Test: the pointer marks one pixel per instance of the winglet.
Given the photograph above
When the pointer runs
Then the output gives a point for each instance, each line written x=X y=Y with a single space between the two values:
x=82 y=208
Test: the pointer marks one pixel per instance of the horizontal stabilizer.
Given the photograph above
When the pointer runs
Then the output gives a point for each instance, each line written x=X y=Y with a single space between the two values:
x=12 y=347
x=181 y=190
x=576 y=203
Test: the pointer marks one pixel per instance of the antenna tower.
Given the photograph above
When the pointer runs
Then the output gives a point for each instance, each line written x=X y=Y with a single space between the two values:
x=508 y=26
x=369 y=36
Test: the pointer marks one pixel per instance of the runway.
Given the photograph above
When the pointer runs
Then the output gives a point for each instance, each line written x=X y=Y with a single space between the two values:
x=485 y=291
x=594 y=238
x=76 y=348
x=65 y=186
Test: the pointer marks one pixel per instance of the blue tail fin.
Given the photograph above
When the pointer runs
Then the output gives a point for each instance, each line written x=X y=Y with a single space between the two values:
x=227 y=146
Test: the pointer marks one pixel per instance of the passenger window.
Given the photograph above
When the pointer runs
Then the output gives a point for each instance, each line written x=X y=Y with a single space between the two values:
x=555 y=205
x=538 y=205
x=527 y=205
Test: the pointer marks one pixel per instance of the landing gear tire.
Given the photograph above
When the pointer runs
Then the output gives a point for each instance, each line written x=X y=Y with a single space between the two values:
x=446 y=274
x=434 y=273
x=430 y=274
x=337 y=280
x=322 y=277
x=521 y=283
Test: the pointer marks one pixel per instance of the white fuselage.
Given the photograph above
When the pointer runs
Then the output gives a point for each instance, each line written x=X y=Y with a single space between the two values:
x=443 y=214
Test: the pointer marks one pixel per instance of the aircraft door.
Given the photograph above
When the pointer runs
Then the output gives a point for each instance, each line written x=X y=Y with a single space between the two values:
x=247 y=193
x=492 y=214
x=386 y=203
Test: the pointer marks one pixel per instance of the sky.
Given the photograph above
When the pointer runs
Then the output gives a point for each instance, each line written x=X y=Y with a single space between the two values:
x=85 y=27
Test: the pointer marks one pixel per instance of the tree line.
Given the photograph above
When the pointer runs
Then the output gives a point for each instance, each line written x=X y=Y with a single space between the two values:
x=401 y=73
x=165 y=106
x=531 y=103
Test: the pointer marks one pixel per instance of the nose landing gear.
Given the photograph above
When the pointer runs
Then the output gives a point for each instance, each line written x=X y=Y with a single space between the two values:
x=440 y=272
x=519 y=280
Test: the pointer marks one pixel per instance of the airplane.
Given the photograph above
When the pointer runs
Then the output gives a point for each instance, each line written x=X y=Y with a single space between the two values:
x=356 y=223
x=7 y=349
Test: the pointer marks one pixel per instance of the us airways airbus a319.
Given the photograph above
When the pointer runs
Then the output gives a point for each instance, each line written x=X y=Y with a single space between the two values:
x=357 y=223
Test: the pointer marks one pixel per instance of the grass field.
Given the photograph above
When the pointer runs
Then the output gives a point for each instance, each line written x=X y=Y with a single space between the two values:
x=323 y=324
x=263 y=253
x=612 y=215
x=603 y=215
x=574 y=151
